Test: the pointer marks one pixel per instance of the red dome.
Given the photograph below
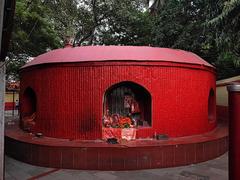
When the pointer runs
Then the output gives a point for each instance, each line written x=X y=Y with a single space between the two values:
x=112 y=53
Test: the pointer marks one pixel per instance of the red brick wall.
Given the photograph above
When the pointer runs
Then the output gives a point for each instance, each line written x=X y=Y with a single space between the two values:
x=70 y=96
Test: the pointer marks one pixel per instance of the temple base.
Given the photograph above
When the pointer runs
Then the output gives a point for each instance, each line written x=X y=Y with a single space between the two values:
x=131 y=155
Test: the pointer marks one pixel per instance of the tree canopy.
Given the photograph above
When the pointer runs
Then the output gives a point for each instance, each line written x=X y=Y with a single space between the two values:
x=207 y=28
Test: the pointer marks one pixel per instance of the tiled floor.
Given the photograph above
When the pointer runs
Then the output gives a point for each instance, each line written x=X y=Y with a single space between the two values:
x=216 y=169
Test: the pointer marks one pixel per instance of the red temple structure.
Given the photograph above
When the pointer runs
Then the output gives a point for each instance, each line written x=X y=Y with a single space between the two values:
x=68 y=91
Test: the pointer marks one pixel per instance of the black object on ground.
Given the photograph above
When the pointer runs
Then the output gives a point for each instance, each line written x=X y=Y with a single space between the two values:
x=39 y=135
x=162 y=137
x=112 y=141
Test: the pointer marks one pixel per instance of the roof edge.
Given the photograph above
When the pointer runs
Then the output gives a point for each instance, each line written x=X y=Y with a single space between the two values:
x=117 y=53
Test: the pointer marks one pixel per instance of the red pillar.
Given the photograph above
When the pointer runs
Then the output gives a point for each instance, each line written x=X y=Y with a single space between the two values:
x=234 y=131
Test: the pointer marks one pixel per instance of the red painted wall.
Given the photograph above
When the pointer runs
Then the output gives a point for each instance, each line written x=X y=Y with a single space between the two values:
x=70 y=96
x=222 y=114
x=9 y=106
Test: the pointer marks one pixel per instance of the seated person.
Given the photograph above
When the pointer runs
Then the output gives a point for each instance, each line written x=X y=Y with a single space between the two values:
x=29 y=122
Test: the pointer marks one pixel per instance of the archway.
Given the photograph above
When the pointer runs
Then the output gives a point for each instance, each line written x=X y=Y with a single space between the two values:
x=211 y=106
x=122 y=98
x=29 y=102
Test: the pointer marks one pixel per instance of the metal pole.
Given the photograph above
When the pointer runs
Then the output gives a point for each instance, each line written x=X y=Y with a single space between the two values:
x=13 y=104
x=234 y=131
x=2 y=95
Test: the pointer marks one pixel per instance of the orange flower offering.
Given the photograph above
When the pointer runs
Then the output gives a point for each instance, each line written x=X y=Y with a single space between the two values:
x=124 y=122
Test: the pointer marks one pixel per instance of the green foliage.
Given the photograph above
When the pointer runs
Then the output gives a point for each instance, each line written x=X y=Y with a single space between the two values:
x=127 y=25
x=33 y=34
x=113 y=22
x=230 y=8
x=190 y=25
x=180 y=24
x=68 y=17
x=207 y=28
x=13 y=65
x=229 y=62
x=227 y=26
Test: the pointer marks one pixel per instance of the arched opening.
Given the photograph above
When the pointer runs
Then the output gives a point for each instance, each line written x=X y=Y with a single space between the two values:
x=211 y=106
x=128 y=99
x=28 y=109
x=29 y=102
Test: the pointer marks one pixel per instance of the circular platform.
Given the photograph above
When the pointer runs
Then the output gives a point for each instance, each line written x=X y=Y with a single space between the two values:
x=98 y=155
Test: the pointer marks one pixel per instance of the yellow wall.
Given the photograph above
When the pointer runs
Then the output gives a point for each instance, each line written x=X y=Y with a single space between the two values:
x=9 y=96
x=221 y=90
x=222 y=96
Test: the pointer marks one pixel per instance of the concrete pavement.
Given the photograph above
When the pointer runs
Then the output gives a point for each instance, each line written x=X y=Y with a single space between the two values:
x=216 y=169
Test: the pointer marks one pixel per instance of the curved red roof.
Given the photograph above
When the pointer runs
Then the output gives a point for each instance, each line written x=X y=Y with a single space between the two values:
x=112 y=53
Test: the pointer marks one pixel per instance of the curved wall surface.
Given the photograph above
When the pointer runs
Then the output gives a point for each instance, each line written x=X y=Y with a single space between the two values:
x=69 y=96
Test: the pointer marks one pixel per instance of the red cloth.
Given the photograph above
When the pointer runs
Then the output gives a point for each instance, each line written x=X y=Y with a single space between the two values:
x=119 y=133
x=135 y=107
x=111 y=133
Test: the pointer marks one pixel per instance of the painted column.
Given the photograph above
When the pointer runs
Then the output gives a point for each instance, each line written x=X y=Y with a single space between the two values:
x=2 y=93
x=234 y=131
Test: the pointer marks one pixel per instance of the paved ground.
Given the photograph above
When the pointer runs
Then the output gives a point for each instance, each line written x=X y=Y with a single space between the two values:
x=10 y=113
x=216 y=169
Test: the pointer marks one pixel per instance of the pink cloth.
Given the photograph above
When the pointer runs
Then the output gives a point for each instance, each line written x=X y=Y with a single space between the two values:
x=119 y=133
x=129 y=133
x=108 y=133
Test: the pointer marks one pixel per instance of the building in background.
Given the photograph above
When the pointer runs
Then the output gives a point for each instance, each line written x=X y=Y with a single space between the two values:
x=222 y=97
x=12 y=96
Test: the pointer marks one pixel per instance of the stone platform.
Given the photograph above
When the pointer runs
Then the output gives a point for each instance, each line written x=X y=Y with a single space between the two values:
x=127 y=155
